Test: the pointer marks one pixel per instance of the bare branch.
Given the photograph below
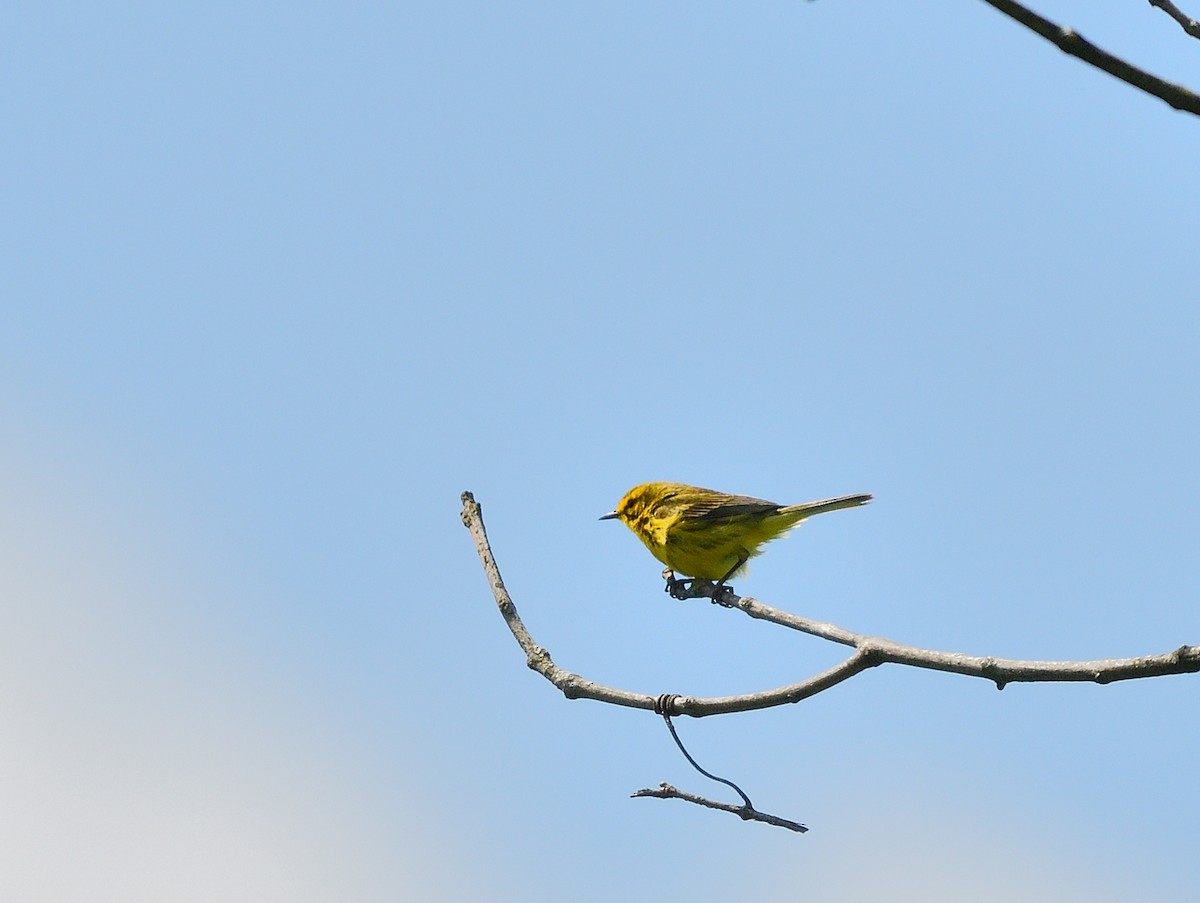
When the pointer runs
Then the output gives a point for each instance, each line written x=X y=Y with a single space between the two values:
x=868 y=652
x=1191 y=26
x=877 y=650
x=572 y=685
x=1071 y=42
x=667 y=792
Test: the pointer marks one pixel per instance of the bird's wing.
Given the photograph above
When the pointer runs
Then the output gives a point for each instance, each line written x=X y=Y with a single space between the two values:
x=721 y=506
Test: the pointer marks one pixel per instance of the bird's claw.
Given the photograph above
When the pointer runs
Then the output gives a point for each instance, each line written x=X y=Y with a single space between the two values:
x=676 y=587
x=724 y=596
x=684 y=588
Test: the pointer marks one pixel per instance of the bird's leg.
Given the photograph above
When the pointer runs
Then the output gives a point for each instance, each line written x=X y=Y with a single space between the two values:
x=722 y=594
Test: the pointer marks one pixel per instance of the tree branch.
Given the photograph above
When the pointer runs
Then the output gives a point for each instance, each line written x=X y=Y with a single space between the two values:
x=1184 y=660
x=572 y=685
x=665 y=791
x=1071 y=42
x=868 y=652
x=1188 y=24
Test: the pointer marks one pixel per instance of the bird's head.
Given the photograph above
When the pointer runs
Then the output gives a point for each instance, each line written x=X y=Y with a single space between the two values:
x=635 y=502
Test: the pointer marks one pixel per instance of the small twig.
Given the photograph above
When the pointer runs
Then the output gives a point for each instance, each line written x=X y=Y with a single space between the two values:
x=667 y=792
x=1071 y=42
x=868 y=652
x=1188 y=24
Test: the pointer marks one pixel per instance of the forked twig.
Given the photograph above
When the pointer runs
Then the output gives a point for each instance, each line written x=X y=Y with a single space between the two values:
x=868 y=653
x=1001 y=671
x=1186 y=22
x=1071 y=42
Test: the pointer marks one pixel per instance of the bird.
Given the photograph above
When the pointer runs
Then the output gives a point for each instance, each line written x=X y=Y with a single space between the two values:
x=710 y=535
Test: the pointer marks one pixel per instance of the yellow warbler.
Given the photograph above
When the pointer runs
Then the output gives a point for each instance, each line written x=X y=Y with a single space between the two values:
x=707 y=534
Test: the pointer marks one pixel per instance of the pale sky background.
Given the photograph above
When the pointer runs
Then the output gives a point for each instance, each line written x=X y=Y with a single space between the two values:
x=282 y=280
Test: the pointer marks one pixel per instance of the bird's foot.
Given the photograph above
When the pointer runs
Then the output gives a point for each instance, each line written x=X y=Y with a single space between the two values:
x=676 y=587
x=684 y=588
x=724 y=596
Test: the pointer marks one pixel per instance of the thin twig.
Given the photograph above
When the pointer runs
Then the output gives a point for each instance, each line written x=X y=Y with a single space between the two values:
x=1188 y=24
x=868 y=652
x=1071 y=42
x=667 y=792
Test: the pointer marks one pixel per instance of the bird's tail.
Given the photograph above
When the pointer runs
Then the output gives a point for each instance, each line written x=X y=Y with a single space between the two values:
x=808 y=509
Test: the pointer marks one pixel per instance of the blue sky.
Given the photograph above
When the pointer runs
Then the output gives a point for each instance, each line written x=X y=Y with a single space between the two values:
x=282 y=281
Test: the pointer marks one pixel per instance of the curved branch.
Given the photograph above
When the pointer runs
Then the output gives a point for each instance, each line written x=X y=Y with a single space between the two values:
x=572 y=685
x=868 y=652
x=1071 y=42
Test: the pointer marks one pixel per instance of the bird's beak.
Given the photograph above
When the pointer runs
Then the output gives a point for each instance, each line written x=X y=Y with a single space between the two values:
x=610 y=515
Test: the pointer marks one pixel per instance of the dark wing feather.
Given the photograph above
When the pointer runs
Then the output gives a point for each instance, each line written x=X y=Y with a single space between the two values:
x=720 y=506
